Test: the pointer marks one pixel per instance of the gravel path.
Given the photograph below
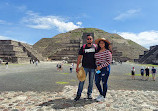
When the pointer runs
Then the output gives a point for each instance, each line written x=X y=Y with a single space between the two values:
x=117 y=100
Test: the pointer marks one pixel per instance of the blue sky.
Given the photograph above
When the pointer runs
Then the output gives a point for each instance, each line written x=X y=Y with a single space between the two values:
x=30 y=20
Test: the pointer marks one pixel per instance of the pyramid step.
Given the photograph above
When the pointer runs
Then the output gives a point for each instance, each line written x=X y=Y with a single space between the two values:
x=13 y=53
x=16 y=59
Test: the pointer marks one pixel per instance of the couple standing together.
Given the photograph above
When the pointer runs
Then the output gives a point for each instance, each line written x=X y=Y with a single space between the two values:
x=95 y=59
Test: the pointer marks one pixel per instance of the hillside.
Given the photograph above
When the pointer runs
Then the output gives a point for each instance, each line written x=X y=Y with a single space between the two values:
x=49 y=46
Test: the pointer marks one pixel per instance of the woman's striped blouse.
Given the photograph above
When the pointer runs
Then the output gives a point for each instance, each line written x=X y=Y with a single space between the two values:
x=103 y=59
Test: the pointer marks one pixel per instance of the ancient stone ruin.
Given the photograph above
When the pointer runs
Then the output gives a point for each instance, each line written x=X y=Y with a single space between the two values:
x=70 y=50
x=68 y=53
x=61 y=46
x=149 y=57
x=17 y=52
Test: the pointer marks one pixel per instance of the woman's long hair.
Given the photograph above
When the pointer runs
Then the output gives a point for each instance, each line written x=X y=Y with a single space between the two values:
x=107 y=46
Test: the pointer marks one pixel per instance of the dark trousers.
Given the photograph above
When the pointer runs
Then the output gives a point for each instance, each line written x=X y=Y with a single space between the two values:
x=104 y=75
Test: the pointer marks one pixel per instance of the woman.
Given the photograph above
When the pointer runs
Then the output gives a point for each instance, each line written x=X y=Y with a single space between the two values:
x=103 y=58
x=133 y=73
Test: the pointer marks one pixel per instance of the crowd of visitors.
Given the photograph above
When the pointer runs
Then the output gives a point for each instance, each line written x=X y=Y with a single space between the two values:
x=145 y=72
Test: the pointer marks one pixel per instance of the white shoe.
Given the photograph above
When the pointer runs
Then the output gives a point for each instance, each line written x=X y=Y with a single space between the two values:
x=100 y=98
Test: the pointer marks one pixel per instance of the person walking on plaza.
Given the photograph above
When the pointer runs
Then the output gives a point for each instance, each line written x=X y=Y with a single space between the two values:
x=86 y=53
x=142 y=72
x=103 y=58
x=33 y=61
x=30 y=61
x=71 y=67
x=36 y=62
x=57 y=66
x=153 y=71
x=6 y=64
x=133 y=73
x=60 y=67
x=147 y=73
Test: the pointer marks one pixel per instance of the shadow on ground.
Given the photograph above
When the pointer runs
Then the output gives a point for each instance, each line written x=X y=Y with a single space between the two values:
x=66 y=103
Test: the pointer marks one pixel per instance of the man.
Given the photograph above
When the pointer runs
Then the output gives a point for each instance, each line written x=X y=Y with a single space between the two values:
x=86 y=53
x=6 y=65
x=153 y=73
x=142 y=72
x=147 y=73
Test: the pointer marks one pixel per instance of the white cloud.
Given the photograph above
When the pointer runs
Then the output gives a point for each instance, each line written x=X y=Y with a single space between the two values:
x=33 y=20
x=127 y=14
x=146 y=39
x=4 y=38
x=4 y=22
x=79 y=23
x=40 y=26
x=9 y=38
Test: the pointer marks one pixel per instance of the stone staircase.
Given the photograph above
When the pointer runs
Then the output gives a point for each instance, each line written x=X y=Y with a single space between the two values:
x=68 y=53
x=15 y=52
x=148 y=56
x=32 y=52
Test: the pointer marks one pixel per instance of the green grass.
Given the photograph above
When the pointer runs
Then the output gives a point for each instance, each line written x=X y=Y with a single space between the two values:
x=61 y=82
x=145 y=65
x=140 y=74
x=131 y=42
x=87 y=30
x=148 y=65
x=75 y=34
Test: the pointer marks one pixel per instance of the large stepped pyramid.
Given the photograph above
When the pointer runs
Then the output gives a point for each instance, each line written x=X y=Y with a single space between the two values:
x=17 y=52
x=69 y=51
x=149 y=57
x=123 y=49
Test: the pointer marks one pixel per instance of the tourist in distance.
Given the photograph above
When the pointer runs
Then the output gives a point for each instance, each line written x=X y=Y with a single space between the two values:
x=133 y=73
x=57 y=66
x=147 y=73
x=36 y=62
x=142 y=72
x=6 y=64
x=153 y=71
x=71 y=67
x=60 y=67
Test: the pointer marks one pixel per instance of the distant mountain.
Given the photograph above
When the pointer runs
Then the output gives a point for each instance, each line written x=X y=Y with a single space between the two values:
x=49 y=46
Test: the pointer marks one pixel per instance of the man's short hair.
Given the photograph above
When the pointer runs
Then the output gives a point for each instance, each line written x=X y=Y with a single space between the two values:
x=89 y=35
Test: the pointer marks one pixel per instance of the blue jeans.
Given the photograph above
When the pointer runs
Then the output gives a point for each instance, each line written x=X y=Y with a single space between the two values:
x=104 y=75
x=91 y=73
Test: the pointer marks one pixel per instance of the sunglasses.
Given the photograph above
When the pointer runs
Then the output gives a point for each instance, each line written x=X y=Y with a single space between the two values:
x=89 y=39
